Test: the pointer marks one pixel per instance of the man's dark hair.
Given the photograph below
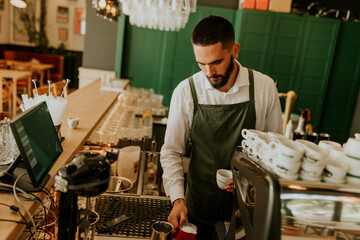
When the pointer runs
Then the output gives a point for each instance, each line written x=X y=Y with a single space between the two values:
x=213 y=29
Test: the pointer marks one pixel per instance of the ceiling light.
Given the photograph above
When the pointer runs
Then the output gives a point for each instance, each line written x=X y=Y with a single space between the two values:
x=18 y=3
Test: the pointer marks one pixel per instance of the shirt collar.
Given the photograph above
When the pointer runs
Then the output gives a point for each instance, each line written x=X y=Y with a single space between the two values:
x=242 y=79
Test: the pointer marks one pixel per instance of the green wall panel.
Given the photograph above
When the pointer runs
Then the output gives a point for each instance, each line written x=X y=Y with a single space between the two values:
x=160 y=60
x=315 y=62
x=343 y=87
x=315 y=57
x=253 y=32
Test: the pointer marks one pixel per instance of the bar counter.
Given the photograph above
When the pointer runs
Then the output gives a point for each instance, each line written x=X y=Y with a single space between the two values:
x=89 y=104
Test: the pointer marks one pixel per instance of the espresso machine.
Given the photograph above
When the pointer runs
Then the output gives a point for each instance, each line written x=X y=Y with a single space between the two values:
x=273 y=208
x=87 y=175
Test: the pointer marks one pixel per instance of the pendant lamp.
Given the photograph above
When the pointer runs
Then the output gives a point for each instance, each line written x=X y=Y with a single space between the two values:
x=18 y=3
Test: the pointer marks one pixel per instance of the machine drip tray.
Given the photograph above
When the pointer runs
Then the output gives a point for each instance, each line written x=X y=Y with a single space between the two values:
x=145 y=210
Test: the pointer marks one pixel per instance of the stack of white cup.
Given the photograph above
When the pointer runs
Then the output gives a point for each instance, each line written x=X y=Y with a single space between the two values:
x=335 y=169
x=313 y=162
x=352 y=158
x=275 y=151
x=289 y=159
x=286 y=158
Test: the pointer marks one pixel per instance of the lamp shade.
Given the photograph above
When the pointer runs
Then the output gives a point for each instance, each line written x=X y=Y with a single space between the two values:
x=18 y=3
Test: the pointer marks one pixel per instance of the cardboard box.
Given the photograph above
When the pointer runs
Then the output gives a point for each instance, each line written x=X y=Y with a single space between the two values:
x=250 y=4
x=262 y=5
x=280 y=6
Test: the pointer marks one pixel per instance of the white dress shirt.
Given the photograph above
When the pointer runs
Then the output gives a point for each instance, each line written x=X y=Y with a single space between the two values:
x=267 y=108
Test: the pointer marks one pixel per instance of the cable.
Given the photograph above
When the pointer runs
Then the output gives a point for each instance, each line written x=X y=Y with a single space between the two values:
x=22 y=205
x=16 y=209
x=50 y=211
x=18 y=189
x=8 y=220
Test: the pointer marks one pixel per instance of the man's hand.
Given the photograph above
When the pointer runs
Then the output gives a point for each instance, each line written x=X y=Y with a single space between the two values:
x=178 y=214
x=230 y=186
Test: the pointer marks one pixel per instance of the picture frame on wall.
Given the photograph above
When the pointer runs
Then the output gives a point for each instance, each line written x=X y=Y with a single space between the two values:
x=80 y=21
x=63 y=34
x=18 y=30
x=62 y=14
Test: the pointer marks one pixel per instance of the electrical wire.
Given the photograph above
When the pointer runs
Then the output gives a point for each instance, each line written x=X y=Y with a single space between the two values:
x=32 y=197
x=18 y=189
x=8 y=220
x=16 y=210
x=22 y=205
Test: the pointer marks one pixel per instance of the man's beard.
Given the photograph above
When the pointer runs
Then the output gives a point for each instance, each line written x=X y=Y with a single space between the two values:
x=223 y=78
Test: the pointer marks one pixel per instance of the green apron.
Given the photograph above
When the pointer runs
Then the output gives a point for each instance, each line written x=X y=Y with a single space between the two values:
x=214 y=134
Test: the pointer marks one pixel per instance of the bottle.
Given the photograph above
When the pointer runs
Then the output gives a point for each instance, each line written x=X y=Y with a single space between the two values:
x=301 y=124
x=299 y=132
x=288 y=130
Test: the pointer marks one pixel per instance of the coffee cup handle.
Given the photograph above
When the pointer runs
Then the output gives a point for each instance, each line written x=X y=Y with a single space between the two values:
x=244 y=145
x=244 y=133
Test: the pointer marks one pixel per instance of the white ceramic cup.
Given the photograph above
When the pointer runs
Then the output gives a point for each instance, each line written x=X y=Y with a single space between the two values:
x=223 y=176
x=286 y=150
x=73 y=122
x=337 y=154
x=357 y=136
x=335 y=171
x=314 y=155
x=328 y=145
x=353 y=180
x=354 y=165
x=310 y=171
x=250 y=133
x=261 y=146
x=245 y=145
x=276 y=136
x=352 y=148
x=286 y=167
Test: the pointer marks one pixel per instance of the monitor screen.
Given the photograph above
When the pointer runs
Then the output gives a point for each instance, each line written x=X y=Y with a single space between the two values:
x=37 y=140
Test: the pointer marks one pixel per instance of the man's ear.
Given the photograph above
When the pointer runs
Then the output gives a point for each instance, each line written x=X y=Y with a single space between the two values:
x=235 y=50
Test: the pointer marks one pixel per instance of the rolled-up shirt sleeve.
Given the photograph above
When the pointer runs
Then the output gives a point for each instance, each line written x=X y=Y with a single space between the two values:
x=273 y=119
x=177 y=132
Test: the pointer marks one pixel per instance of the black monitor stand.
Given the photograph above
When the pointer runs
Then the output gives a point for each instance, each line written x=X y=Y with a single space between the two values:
x=16 y=169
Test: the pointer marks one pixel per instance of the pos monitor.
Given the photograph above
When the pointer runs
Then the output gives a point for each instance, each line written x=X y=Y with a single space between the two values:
x=39 y=147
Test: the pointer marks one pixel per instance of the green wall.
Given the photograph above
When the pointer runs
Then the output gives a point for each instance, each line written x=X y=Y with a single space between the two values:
x=158 y=59
x=302 y=53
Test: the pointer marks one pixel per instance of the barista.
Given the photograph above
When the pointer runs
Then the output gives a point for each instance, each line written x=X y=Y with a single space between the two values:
x=211 y=108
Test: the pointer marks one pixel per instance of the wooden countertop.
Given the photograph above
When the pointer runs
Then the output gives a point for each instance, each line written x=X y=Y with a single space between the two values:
x=89 y=104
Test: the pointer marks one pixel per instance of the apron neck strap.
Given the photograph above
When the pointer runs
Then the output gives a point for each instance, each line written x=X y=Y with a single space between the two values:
x=193 y=92
x=251 y=87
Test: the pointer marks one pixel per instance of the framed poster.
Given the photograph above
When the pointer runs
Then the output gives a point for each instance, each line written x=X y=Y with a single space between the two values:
x=62 y=14
x=80 y=21
x=63 y=34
